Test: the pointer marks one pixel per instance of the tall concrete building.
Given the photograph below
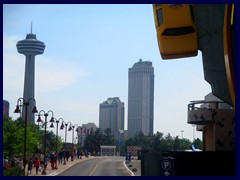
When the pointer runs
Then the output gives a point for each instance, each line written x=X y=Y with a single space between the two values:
x=30 y=47
x=5 y=109
x=111 y=115
x=83 y=132
x=140 y=98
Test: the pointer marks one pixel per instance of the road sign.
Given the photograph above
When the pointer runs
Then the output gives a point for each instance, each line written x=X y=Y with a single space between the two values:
x=128 y=156
x=166 y=166
x=119 y=143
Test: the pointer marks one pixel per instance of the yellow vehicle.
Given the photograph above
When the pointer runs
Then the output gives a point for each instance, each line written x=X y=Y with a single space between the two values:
x=176 y=30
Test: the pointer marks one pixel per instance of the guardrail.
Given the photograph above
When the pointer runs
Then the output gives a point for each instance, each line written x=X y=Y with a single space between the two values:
x=204 y=115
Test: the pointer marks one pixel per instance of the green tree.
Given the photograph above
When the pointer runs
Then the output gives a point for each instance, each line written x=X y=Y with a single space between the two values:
x=13 y=137
x=157 y=141
x=108 y=137
x=198 y=143
x=176 y=144
x=12 y=142
x=166 y=143
x=185 y=144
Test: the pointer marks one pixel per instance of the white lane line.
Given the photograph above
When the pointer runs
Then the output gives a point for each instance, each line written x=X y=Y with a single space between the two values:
x=130 y=172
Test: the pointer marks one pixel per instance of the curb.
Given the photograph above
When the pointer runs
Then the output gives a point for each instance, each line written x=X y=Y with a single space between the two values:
x=131 y=173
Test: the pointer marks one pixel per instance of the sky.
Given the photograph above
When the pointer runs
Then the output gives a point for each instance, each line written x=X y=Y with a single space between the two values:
x=89 y=49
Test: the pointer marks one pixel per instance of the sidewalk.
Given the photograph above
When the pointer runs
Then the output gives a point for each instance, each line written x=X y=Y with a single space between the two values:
x=61 y=167
x=134 y=166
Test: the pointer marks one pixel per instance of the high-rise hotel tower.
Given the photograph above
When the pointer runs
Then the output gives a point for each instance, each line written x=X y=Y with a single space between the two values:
x=140 y=98
x=111 y=115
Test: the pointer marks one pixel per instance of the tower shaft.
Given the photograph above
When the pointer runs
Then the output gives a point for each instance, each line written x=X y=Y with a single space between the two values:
x=29 y=84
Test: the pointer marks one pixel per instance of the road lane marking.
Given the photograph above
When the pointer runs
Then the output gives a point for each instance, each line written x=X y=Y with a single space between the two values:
x=94 y=169
x=129 y=171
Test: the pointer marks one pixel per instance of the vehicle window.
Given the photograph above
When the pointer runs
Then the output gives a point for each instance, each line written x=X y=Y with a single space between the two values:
x=178 y=31
x=159 y=16
x=192 y=13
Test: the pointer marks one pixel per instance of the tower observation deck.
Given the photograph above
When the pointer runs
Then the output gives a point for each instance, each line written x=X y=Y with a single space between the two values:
x=30 y=47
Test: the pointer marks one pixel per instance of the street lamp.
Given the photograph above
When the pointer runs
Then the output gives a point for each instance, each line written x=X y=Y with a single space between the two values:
x=62 y=126
x=182 y=133
x=45 y=131
x=72 y=128
x=57 y=121
x=17 y=110
x=75 y=125
x=81 y=129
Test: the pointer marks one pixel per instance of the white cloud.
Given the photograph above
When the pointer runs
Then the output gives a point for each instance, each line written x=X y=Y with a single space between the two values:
x=50 y=74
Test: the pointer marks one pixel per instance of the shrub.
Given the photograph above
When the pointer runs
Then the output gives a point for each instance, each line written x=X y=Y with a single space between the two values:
x=13 y=171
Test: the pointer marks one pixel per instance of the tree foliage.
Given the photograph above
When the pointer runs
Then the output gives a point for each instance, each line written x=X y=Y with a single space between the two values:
x=159 y=142
x=13 y=138
x=94 y=140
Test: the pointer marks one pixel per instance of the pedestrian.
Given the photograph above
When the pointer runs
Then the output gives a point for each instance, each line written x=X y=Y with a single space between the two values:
x=71 y=154
x=78 y=153
x=30 y=164
x=37 y=164
x=60 y=156
x=52 y=160
x=68 y=154
x=33 y=158
x=64 y=155
x=46 y=162
x=42 y=161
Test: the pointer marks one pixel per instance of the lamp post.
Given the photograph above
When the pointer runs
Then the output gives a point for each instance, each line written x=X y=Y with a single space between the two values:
x=119 y=142
x=78 y=144
x=71 y=128
x=182 y=133
x=75 y=125
x=17 y=110
x=81 y=129
x=62 y=126
x=57 y=121
x=45 y=131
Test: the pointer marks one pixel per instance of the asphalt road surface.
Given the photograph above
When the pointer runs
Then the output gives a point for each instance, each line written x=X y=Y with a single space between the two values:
x=100 y=166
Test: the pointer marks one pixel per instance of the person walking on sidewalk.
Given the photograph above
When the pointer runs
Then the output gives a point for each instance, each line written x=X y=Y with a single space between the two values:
x=60 y=156
x=37 y=164
x=78 y=153
x=68 y=154
x=71 y=154
x=30 y=164
x=53 y=159
x=46 y=162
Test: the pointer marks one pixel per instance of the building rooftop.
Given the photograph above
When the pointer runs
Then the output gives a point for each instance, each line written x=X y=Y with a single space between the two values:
x=141 y=63
x=111 y=101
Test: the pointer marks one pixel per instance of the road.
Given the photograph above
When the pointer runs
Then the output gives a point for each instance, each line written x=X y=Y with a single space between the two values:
x=100 y=166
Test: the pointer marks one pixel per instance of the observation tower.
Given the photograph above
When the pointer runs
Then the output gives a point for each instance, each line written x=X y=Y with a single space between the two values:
x=30 y=47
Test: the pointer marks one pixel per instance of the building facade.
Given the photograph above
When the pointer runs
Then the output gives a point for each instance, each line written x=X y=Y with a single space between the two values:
x=140 y=98
x=216 y=120
x=83 y=131
x=111 y=115
x=5 y=108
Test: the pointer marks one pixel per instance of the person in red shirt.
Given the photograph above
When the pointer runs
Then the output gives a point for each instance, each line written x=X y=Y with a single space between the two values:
x=37 y=164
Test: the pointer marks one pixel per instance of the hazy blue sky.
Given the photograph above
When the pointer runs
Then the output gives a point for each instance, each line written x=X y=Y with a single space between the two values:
x=89 y=49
